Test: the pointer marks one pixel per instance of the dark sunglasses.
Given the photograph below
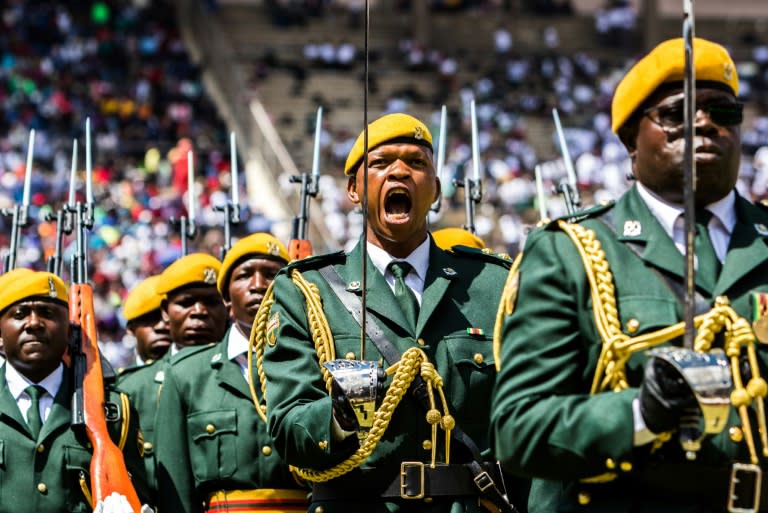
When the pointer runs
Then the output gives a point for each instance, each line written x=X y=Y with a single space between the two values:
x=723 y=113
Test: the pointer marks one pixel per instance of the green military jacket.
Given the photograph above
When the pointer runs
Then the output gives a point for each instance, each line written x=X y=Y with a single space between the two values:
x=546 y=424
x=461 y=292
x=43 y=475
x=210 y=436
x=143 y=384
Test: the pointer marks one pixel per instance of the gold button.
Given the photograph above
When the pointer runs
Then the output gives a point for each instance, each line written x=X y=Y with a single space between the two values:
x=610 y=464
x=478 y=358
x=147 y=446
x=210 y=428
x=584 y=498
x=421 y=342
x=42 y=488
x=322 y=444
x=736 y=434
x=633 y=325
x=266 y=450
x=350 y=356
x=427 y=445
x=625 y=466
x=41 y=448
x=319 y=509
x=428 y=499
x=263 y=408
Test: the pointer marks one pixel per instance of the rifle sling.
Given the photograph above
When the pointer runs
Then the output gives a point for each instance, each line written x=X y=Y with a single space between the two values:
x=387 y=349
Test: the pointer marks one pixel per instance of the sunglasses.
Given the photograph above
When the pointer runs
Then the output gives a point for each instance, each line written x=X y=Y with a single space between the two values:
x=670 y=116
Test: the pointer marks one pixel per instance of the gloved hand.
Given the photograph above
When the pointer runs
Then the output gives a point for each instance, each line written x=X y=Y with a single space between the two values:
x=664 y=396
x=117 y=503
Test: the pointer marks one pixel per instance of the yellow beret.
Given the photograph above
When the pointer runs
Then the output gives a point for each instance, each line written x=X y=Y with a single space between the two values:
x=446 y=238
x=21 y=284
x=388 y=128
x=142 y=299
x=666 y=63
x=263 y=244
x=195 y=268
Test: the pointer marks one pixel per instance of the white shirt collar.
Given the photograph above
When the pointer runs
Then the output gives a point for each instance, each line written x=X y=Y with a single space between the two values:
x=17 y=383
x=237 y=344
x=723 y=210
x=419 y=260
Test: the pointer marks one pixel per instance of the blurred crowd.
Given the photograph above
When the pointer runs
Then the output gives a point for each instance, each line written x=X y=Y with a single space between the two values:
x=123 y=65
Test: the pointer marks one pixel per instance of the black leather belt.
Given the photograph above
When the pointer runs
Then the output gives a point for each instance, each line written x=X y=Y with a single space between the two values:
x=416 y=481
x=740 y=487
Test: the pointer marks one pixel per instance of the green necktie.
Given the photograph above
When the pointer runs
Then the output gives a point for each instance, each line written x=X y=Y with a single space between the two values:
x=34 y=421
x=708 y=264
x=405 y=296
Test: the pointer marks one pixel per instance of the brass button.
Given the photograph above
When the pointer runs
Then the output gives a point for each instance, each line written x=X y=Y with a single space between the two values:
x=350 y=356
x=584 y=498
x=263 y=408
x=633 y=325
x=148 y=446
x=421 y=342
x=210 y=428
x=42 y=488
x=625 y=466
x=610 y=464
x=427 y=445
x=428 y=499
x=319 y=509
x=41 y=448
x=322 y=444
x=478 y=358
x=266 y=450
x=736 y=434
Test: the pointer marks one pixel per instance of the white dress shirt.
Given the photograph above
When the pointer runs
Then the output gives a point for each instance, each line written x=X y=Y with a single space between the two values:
x=237 y=349
x=18 y=383
x=419 y=260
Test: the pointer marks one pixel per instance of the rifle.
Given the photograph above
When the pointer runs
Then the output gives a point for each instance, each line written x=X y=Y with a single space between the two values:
x=63 y=218
x=473 y=187
x=299 y=246
x=231 y=208
x=19 y=213
x=186 y=223
x=89 y=408
x=568 y=188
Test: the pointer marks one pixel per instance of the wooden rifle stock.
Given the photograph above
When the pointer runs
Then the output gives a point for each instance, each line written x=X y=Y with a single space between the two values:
x=299 y=248
x=108 y=471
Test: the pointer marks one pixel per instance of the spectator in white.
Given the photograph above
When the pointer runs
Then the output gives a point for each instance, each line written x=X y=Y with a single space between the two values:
x=502 y=40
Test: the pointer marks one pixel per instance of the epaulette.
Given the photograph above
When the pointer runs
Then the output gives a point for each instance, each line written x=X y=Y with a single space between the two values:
x=188 y=351
x=133 y=368
x=314 y=262
x=485 y=254
x=581 y=215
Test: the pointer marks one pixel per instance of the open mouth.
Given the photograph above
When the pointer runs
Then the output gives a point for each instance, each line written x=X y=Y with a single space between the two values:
x=397 y=205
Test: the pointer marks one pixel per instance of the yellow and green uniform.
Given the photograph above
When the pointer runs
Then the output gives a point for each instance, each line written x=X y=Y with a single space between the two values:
x=211 y=439
x=454 y=331
x=579 y=446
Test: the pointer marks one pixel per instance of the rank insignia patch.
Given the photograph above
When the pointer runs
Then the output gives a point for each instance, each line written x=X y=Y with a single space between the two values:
x=272 y=325
x=759 y=301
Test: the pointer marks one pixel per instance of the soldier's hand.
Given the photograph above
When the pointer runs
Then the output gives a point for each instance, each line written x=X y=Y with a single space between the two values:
x=117 y=503
x=664 y=396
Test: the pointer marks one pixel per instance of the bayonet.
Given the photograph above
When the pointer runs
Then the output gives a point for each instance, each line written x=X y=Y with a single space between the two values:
x=568 y=187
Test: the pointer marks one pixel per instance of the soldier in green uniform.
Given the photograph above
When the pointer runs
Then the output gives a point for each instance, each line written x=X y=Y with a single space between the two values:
x=580 y=405
x=142 y=312
x=434 y=314
x=195 y=314
x=44 y=461
x=213 y=449
x=145 y=322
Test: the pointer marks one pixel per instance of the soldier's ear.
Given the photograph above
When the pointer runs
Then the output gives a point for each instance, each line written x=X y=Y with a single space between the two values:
x=437 y=189
x=352 y=194
x=164 y=310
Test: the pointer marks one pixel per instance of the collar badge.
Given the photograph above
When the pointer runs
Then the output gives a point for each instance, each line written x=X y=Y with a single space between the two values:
x=761 y=229
x=632 y=228
x=448 y=271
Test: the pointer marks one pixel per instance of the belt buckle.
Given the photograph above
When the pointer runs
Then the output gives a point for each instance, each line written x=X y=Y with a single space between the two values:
x=404 y=468
x=744 y=468
x=483 y=481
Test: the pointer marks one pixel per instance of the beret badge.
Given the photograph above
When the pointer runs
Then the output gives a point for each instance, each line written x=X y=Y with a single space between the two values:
x=209 y=276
